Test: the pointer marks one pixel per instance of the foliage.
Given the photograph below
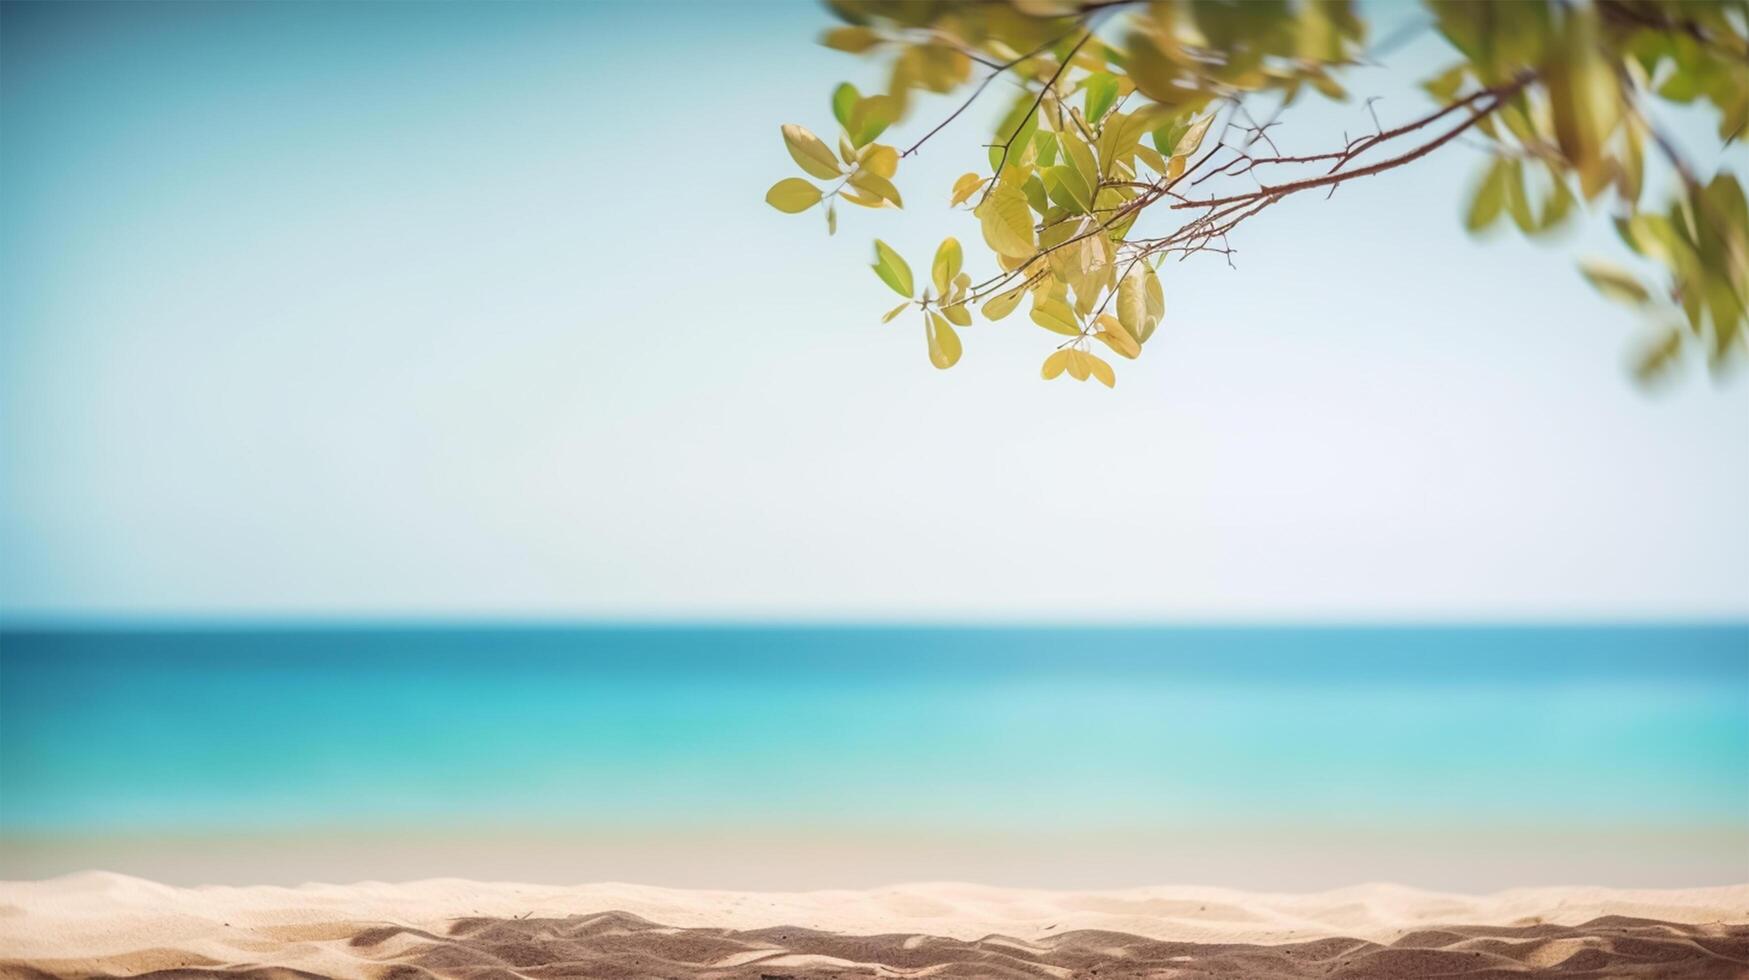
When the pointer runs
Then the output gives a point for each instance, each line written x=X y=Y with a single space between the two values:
x=1119 y=110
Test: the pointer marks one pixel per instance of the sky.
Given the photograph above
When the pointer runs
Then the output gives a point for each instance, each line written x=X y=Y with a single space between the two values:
x=402 y=310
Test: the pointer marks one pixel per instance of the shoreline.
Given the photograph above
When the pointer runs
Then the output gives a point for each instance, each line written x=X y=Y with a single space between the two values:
x=102 y=923
x=1309 y=857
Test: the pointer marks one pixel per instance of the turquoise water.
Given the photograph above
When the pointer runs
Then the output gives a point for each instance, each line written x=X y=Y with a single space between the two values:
x=117 y=732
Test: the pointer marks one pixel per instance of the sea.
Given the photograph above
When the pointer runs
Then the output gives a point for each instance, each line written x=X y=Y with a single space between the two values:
x=1618 y=754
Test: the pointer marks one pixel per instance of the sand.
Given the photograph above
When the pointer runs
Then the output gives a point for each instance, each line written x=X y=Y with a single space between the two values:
x=99 y=924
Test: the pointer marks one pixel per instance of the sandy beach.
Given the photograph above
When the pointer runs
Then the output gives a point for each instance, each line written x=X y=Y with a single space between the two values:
x=99 y=924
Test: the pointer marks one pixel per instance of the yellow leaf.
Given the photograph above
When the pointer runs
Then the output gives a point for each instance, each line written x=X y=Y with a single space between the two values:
x=1055 y=364
x=1657 y=357
x=1155 y=70
x=1007 y=222
x=870 y=117
x=1117 y=338
x=1085 y=264
x=1152 y=158
x=1077 y=364
x=1004 y=303
x=895 y=311
x=1132 y=304
x=1615 y=282
x=880 y=159
x=876 y=184
x=852 y=39
x=862 y=198
x=1055 y=315
x=809 y=153
x=944 y=343
x=1192 y=138
x=1156 y=306
x=958 y=314
x=1490 y=198
x=1099 y=369
x=947 y=265
x=1126 y=135
x=792 y=195
x=1584 y=97
x=964 y=188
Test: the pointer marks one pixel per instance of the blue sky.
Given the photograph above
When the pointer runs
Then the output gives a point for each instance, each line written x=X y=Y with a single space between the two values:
x=458 y=310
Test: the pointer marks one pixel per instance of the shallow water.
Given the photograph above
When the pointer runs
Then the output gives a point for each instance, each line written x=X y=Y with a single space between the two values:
x=1048 y=732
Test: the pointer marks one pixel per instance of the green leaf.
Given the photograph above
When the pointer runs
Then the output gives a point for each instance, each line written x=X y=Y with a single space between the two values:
x=1081 y=156
x=809 y=153
x=892 y=269
x=1015 y=129
x=946 y=265
x=844 y=99
x=792 y=195
x=1045 y=146
x=1101 y=95
x=1068 y=189
x=1166 y=137
x=1037 y=197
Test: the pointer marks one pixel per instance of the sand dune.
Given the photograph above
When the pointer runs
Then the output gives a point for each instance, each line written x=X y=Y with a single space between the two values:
x=110 y=925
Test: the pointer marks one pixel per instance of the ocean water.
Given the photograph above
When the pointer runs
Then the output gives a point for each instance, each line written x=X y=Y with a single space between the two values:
x=1060 y=734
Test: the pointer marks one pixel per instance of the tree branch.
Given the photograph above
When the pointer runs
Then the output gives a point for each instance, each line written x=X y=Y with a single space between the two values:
x=1008 y=144
x=997 y=70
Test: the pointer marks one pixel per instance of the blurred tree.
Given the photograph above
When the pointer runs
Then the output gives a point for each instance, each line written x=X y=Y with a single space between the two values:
x=1127 y=108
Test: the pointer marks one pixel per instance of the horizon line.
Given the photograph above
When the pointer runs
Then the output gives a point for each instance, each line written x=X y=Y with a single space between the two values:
x=434 y=622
